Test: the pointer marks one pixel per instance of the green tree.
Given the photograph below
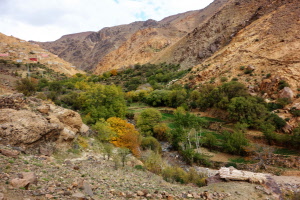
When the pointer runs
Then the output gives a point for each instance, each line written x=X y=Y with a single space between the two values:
x=235 y=142
x=102 y=101
x=151 y=143
x=147 y=120
x=26 y=86
x=177 y=97
x=247 y=110
x=187 y=120
x=161 y=131
x=295 y=139
x=210 y=140
x=269 y=132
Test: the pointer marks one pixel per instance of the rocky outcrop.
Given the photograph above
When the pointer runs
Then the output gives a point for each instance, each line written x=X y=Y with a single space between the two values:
x=232 y=174
x=30 y=122
x=286 y=93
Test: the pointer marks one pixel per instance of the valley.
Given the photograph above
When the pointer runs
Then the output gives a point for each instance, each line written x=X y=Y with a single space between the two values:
x=200 y=105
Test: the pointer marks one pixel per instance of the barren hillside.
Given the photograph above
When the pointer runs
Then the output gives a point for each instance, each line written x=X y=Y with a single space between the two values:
x=20 y=51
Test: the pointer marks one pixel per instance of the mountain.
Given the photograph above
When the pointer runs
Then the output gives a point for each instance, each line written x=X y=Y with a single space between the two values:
x=258 y=45
x=21 y=51
x=150 y=37
x=254 y=41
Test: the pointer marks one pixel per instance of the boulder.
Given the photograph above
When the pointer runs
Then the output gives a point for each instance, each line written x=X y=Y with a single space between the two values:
x=24 y=127
x=238 y=175
x=18 y=182
x=44 y=109
x=70 y=118
x=9 y=153
x=78 y=196
x=87 y=188
x=30 y=177
x=214 y=179
x=67 y=135
x=84 y=130
x=251 y=68
x=29 y=123
x=286 y=92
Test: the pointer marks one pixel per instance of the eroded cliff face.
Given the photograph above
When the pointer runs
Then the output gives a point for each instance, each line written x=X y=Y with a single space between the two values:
x=32 y=124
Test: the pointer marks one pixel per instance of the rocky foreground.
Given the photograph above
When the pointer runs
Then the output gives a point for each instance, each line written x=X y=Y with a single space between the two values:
x=91 y=176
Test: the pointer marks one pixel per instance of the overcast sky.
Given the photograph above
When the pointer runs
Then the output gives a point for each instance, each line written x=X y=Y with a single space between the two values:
x=48 y=20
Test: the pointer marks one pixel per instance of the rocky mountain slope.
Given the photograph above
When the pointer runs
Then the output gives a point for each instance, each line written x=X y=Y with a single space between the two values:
x=86 y=50
x=262 y=54
x=22 y=52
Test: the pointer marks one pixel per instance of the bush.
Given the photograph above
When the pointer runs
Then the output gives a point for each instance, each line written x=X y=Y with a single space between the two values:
x=295 y=112
x=282 y=84
x=200 y=159
x=277 y=121
x=147 y=120
x=210 y=140
x=177 y=174
x=26 y=86
x=161 y=132
x=224 y=79
x=247 y=110
x=174 y=174
x=151 y=143
x=139 y=167
x=235 y=142
x=269 y=132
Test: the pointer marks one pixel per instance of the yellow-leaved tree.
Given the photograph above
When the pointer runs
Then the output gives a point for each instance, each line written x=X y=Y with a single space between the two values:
x=126 y=135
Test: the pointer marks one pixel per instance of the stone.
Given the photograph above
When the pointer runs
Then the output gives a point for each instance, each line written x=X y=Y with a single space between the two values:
x=140 y=193
x=78 y=196
x=70 y=118
x=84 y=130
x=286 y=92
x=44 y=109
x=25 y=127
x=87 y=188
x=10 y=153
x=67 y=135
x=251 y=68
x=213 y=179
x=1 y=196
x=18 y=182
x=46 y=151
x=238 y=175
x=49 y=196
x=189 y=196
x=30 y=177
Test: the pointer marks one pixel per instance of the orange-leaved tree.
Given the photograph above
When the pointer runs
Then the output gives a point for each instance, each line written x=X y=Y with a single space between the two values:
x=126 y=135
x=114 y=72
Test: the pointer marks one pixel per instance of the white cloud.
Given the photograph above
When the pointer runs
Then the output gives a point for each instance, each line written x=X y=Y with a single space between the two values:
x=45 y=20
